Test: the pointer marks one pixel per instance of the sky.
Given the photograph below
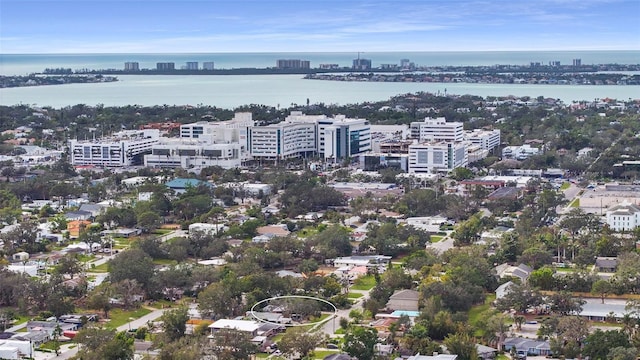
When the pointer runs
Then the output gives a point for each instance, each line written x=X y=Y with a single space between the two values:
x=213 y=26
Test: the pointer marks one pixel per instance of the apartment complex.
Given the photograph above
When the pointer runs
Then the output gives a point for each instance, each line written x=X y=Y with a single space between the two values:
x=164 y=66
x=293 y=64
x=131 y=66
x=208 y=65
x=124 y=148
x=192 y=65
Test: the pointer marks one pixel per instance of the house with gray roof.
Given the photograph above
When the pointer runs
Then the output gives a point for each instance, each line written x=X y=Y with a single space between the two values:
x=521 y=271
x=606 y=264
x=404 y=300
x=530 y=346
x=503 y=289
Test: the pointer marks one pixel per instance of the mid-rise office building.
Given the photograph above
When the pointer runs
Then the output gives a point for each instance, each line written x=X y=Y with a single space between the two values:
x=235 y=130
x=486 y=139
x=338 y=137
x=190 y=153
x=125 y=148
x=282 y=141
x=165 y=66
x=208 y=65
x=437 y=157
x=437 y=129
x=132 y=66
x=203 y=143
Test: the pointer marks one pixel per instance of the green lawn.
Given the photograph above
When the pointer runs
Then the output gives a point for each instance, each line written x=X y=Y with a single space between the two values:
x=167 y=262
x=308 y=231
x=324 y=353
x=364 y=283
x=102 y=268
x=479 y=311
x=120 y=317
x=565 y=185
x=354 y=295
x=436 y=238
x=575 y=203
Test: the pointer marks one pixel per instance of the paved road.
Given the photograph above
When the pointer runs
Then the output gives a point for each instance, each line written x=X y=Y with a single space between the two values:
x=68 y=352
x=333 y=324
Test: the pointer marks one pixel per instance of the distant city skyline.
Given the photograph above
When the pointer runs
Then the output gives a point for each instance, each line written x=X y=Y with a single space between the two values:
x=163 y=26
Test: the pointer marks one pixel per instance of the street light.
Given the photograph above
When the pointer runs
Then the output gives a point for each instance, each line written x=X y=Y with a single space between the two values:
x=130 y=320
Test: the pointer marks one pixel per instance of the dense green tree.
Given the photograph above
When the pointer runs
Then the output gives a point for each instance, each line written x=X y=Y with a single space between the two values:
x=103 y=344
x=300 y=342
x=519 y=297
x=174 y=323
x=598 y=344
x=232 y=345
x=462 y=345
x=132 y=264
x=359 y=342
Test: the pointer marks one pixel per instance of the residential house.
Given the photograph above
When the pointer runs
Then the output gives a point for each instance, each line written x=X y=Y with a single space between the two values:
x=530 y=346
x=75 y=226
x=606 y=264
x=407 y=300
x=486 y=352
x=77 y=215
x=93 y=209
x=20 y=256
x=503 y=289
x=520 y=272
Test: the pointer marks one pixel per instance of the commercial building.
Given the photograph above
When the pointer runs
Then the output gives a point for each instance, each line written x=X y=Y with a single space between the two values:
x=437 y=129
x=625 y=216
x=131 y=66
x=202 y=144
x=124 y=148
x=208 y=65
x=282 y=141
x=189 y=153
x=519 y=152
x=332 y=138
x=437 y=157
x=486 y=139
x=338 y=137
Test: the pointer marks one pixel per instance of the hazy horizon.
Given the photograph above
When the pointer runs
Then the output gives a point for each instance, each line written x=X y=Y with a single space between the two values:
x=252 y=26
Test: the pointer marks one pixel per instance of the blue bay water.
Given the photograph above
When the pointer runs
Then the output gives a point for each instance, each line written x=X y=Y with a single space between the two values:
x=234 y=90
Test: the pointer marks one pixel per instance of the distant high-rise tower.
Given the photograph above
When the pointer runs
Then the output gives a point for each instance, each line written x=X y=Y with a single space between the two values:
x=165 y=66
x=361 y=64
x=207 y=65
x=293 y=64
x=192 y=65
x=131 y=66
x=577 y=62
